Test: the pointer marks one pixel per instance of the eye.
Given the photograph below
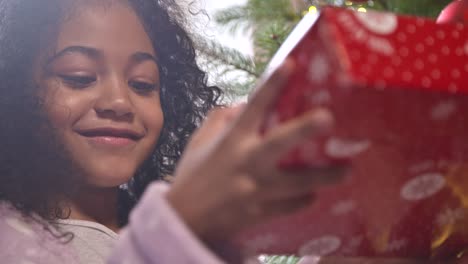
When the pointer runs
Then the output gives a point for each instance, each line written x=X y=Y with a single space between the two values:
x=78 y=81
x=143 y=87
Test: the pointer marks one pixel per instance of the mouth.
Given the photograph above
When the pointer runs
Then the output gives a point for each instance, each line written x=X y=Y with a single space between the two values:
x=111 y=136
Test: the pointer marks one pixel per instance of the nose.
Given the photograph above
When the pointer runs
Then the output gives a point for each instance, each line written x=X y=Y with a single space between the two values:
x=114 y=100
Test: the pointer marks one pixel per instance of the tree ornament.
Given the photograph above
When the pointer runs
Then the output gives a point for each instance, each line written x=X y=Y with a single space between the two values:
x=457 y=11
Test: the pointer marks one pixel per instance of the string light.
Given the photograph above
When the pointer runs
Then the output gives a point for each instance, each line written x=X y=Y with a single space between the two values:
x=362 y=9
x=313 y=9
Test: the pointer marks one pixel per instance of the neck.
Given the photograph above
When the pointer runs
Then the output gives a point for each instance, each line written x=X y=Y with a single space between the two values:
x=96 y=205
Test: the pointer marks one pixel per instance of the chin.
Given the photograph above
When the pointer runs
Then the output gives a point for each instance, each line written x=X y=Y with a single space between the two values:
x=109 y=179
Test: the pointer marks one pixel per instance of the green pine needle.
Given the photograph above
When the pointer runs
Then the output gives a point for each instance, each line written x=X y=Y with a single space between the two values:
x=231 y=58
x=281 y=260
x=234 y=18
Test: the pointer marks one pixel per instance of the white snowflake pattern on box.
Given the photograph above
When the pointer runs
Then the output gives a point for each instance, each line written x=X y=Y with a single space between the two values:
x=443 y=110
x=261 y=242
x=450 y=216
x=321 y=246
x=353 y=244
x=378 y=23
x=341 y=148
x=396 y=245
x=423 y=186
x=319 y=68
x=343 y=207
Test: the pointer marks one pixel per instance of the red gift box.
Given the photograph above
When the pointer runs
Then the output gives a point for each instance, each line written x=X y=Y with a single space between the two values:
x=398 y=88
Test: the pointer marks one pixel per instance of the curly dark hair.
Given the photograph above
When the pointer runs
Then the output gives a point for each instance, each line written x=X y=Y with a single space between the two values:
x=34 y=168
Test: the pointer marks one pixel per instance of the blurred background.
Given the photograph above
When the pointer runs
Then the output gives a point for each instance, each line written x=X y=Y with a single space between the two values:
x=237 y=38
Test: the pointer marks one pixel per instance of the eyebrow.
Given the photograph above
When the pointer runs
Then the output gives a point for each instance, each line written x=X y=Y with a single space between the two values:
x=139 y=57
x=93 y=53
x=89 y=52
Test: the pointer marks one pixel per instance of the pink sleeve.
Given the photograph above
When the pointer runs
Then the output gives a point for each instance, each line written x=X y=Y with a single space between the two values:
x=156 y=234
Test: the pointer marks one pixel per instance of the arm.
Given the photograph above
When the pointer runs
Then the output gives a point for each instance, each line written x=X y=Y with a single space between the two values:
x=156 y=234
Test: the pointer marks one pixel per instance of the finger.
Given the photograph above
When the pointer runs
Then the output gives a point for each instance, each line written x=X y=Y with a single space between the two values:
x=266 y=93
x=217 y=121
x=223 y=113
x=287 y=206
x=234 y=112
x=280 y=140
x=287 y=184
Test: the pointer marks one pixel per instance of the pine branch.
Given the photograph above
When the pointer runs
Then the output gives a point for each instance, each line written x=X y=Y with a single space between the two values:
x=384 y=4
x=255 y=13
x=427 y=8
x=261 y=10
x=234 y=18
x=232 y=58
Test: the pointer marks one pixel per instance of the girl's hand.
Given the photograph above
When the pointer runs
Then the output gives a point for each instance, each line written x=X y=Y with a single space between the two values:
x=228 y=178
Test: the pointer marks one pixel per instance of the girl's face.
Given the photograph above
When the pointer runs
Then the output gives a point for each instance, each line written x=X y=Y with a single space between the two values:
x=101 y=92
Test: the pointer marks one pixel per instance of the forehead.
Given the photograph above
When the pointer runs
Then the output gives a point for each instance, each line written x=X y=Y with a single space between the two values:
x=112 y=25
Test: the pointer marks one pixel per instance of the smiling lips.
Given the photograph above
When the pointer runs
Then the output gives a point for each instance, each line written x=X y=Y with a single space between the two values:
x=111 y=136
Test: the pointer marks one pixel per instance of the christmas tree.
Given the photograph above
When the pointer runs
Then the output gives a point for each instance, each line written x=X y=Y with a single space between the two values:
x=270 y=22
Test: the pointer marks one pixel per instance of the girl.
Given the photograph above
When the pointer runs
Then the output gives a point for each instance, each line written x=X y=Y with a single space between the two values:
x=97 y=94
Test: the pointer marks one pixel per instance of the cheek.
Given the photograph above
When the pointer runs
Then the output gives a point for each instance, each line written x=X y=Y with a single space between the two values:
x=55 y=105
x=157 y=124
x=154 y=121
x=62 y=109
x=58 y=115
